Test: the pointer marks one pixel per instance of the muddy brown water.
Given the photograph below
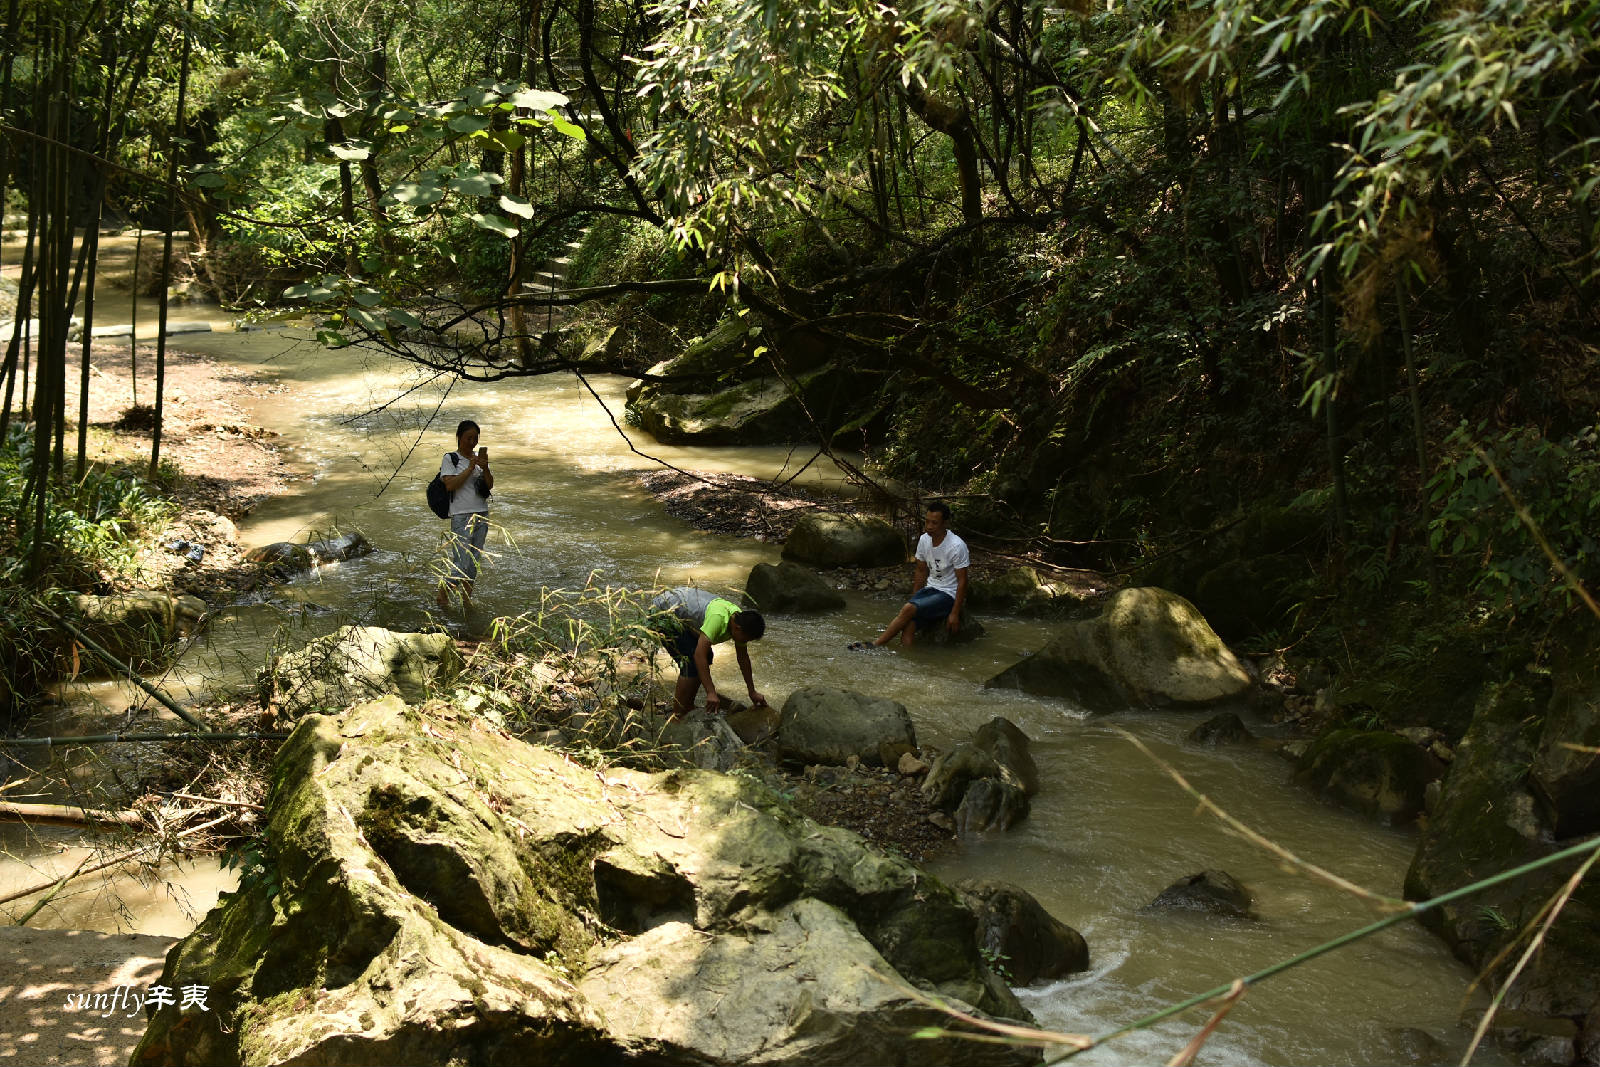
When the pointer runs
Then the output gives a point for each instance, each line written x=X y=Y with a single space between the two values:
x=1107 y=832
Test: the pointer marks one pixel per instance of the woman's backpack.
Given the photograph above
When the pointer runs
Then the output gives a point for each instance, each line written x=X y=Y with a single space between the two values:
x=439 y=497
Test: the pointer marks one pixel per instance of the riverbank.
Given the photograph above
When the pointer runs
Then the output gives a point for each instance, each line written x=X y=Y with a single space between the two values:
x=216 y=466
x=741 y=506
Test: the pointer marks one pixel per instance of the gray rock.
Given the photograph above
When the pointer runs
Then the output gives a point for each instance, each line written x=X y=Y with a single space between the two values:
x=284 y=559
x=338 y=549
x=1224 y=729
x=952 y=772
x=825 y=539
x=136 y=626
x=804 y=991
x=1147 y=647
x=1211 y=892
x=789 y=587
x=1030 y=943
x=1381 y=775
x=970 y=629
x=1019 y=591
x=759 y=411
x=359 y=663
x=1011 y=750
x=1415 y=1046
x=1537 y=1038
x=702 y=740
x=820 y=724
x=990 y=804
x=435 y=885
x=754 y=725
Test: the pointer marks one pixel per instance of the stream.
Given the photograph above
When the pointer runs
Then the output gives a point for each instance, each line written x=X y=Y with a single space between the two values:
x=1108 y=829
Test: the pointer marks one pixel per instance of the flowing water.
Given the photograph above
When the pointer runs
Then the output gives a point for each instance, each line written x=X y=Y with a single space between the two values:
x=1108 y=829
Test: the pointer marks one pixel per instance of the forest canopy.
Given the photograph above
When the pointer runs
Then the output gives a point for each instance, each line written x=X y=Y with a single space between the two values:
x=1331 y=256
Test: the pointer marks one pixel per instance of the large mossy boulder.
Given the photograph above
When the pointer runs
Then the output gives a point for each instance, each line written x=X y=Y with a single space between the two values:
x=1018 y=591
x=822 y=724
x=722 y=389
x=1566 y=766
x=762 y=410
x=1381 y=775
x=789 y=587
x=1147 y=647
x=358 y=663
x=1014 y=928
x=826 y=539
x=439 y=892
x=135 y=626
x=1488 y=820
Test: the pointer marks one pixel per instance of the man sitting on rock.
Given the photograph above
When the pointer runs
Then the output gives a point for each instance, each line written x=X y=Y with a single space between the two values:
x=939 y=589
x=690 y=621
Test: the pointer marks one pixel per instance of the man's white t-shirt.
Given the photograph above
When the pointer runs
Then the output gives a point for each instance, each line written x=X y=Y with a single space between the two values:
x=943 y=560
x=469 y=498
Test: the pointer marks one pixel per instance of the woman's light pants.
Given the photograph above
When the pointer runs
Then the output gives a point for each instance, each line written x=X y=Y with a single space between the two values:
x=468 y=531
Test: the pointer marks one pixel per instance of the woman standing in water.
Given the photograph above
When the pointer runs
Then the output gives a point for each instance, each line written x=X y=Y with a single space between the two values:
x=467 y=476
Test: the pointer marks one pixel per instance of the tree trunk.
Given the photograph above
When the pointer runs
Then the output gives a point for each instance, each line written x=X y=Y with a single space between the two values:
x=956 y=124
x=166 y=246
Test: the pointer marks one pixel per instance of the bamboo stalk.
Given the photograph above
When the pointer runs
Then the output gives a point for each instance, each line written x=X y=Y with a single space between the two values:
x=132 y=675
x=112 y=739
x=61 y=882
x=66 y=815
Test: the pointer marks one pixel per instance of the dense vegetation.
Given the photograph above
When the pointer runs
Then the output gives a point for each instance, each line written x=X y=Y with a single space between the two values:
x=1286 y=305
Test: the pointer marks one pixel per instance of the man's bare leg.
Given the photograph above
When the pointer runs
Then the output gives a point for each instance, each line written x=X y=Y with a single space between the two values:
x=906 y=618
x=908 y=636
x=683 y=695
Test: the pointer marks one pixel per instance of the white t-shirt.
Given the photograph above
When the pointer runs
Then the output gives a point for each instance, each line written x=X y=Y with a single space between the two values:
x=469 y=498
x=943 y=560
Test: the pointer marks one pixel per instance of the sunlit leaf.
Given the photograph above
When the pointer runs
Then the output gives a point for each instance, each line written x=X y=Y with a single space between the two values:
x=516 y=205
x=537 y=99
x=473 y=184
x=495 y=224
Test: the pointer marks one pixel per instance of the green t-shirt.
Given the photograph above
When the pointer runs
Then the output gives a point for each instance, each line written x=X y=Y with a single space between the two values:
x=719 y=613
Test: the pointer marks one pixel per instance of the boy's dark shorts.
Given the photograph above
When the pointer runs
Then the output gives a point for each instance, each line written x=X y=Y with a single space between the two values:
x=932 y=605
x=682 y=645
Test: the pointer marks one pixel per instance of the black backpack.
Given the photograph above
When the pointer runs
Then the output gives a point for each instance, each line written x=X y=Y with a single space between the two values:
x=439 y=497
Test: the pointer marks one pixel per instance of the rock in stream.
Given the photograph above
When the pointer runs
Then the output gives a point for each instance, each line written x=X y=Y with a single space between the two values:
x=440 y=892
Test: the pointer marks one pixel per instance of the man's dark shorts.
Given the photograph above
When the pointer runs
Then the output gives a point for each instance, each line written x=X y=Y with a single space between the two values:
x=682 y=645
x=932 y=605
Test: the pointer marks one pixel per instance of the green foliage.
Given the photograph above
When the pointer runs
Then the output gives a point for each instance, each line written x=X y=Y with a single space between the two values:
x=1492 y=72
x=1553 y=485
x=253 y=858
x=581 y=661
x=92 y=527
x=91 y=539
